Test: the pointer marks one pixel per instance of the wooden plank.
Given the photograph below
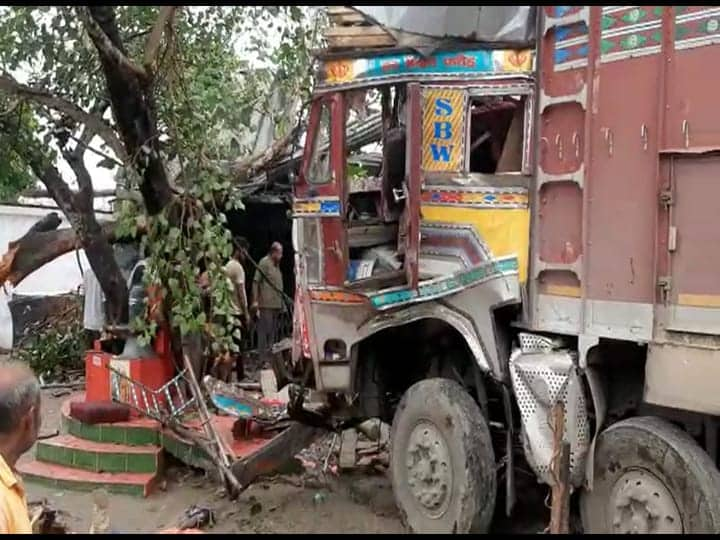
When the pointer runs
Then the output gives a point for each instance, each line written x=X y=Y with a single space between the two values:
x=360 y=42
x=352 y=31
x=560 y=466
x=339 y=10
x=348 y=448
x=347 y=19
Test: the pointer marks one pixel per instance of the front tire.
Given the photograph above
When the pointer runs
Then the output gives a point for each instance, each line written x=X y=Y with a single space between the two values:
x=442 y=461
x=651 y=477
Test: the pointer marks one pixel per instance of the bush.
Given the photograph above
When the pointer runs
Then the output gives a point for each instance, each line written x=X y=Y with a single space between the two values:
x=55 y=344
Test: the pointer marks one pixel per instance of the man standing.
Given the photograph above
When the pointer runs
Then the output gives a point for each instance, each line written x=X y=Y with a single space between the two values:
x=267 y=297
x=236 y=274
x=19 y=427
x=93 y=309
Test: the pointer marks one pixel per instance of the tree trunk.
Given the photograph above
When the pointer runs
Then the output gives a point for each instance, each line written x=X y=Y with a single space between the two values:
x=132 y=107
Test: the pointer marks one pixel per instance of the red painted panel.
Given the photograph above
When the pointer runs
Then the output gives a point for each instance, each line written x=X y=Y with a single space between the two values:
x=696 y=261
x=623 y=183
x=414 y=183
x=557 y=222
x=335 y=246
x=334 y=236
x=693 y=117
x=559 y=213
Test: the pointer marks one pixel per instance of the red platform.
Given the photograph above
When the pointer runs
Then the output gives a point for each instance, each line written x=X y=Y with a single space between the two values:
x=151 y=372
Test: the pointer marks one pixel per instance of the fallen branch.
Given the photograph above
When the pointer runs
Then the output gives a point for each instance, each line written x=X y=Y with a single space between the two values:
x=40 y=245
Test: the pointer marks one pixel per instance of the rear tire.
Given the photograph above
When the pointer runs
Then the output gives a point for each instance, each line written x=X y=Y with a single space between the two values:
x=651 y=476
x=442 y=461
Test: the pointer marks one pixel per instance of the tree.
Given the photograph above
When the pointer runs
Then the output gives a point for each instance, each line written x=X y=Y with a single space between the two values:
x=140 y=87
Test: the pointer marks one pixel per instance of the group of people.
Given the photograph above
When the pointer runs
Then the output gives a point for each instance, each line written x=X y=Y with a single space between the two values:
x=265 y=308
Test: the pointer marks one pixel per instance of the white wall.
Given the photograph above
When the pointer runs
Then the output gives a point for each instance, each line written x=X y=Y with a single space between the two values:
x=57 y=277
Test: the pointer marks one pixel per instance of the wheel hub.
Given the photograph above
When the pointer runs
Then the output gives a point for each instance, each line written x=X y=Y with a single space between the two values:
x=641 y=504
x=428 y=468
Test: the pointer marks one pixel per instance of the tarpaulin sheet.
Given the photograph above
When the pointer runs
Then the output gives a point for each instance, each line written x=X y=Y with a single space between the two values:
x=486 y=24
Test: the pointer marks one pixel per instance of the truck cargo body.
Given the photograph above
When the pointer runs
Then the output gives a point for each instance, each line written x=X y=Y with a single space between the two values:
x=624 y=244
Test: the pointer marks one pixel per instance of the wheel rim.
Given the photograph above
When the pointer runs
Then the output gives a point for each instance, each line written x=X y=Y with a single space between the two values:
x=640 y=503
x=428 y=469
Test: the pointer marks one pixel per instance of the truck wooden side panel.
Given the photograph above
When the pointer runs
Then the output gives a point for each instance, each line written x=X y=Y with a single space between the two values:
x=623 y=238
x=557 y=246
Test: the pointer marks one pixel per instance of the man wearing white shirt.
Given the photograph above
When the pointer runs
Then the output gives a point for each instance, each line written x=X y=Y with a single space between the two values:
x=93 y=309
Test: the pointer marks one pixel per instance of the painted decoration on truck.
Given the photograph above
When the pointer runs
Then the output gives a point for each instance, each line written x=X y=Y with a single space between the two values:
x=570 y=49
x=443 y=139
x=343 y=72
x=696 y=26
x=630 y=32
x=445 y=285
x=317 y=207
x=571 y=46
x=453 y=240
x=483 y=198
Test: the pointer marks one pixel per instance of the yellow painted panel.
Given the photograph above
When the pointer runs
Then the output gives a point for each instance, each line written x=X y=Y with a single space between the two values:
x=561 y=290
x=505 y=231
x=699 y=300
x=443 y=129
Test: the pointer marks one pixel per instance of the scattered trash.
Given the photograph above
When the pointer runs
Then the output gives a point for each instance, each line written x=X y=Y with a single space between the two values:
x=236 y=402
x=100 y=521
x=49 y=435
x=268 y=383
x=196 y=517
x=46 y=520
x=255 y=508
x=320 y=497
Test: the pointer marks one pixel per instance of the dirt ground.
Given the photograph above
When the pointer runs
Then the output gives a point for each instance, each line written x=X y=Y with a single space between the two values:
x=349 y=503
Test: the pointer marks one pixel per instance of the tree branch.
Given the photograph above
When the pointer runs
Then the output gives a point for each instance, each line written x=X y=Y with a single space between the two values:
x=85 y=146
x=84 y=196
x=245 y=168
x=95 y=124
x=106 y=47
x=37 y=248
x=35 y=193
x=86 y=135
x=152 y=47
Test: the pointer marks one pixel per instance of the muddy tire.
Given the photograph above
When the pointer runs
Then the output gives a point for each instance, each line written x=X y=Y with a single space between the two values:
x=442 y=461
x=651 y=476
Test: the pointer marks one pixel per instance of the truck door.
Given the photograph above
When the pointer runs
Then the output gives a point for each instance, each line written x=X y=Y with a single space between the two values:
x=413 y=184
x=690 y=164
x=320 y=194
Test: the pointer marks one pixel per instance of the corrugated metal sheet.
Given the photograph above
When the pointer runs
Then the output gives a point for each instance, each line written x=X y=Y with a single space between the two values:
x=428 y=27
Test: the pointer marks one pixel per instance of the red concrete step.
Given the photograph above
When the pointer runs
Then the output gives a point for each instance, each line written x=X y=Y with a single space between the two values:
x=95 y=456
x=63 y=477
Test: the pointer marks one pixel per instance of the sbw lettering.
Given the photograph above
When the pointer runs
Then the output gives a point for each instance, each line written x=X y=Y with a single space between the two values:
x=443 y=107
x=443 y=130
x=441 y=153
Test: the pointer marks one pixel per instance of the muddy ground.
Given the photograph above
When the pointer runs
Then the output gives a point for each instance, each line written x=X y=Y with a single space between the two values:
x=349 y=503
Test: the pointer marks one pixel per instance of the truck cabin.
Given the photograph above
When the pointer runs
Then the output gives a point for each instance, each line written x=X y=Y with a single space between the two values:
x=471 y=129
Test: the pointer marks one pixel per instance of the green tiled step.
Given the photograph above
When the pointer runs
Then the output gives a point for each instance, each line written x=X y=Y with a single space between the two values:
x=185 y=451
x=62 y=477
x=119 y=433
x=94 y=456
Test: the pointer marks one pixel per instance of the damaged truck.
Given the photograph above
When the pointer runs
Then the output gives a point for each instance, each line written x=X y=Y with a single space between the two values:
x=539 y=231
